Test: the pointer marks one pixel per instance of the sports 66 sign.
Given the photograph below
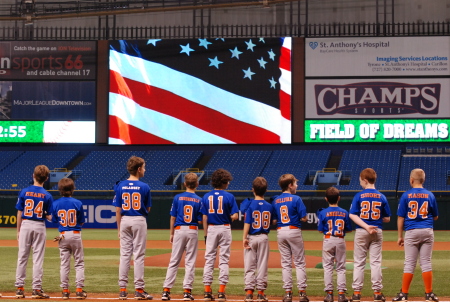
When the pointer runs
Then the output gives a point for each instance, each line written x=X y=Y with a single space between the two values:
x=47 y=60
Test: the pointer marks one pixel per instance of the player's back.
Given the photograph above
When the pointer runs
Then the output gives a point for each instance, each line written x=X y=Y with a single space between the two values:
x=35 y=202
x=289 y=209
x=259 y=215
x=419 y=207
x=68 y=213
x=219 y=205
x=334 y=221
x=186 y=209
x=133 y=196
x=371 y=206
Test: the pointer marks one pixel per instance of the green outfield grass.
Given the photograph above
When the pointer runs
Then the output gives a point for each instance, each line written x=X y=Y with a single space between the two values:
x=102 y=268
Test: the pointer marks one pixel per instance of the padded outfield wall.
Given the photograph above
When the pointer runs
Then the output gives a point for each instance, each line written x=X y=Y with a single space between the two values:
x=100 y=213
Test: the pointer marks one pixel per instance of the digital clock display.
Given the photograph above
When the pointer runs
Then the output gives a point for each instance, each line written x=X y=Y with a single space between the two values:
x=47 y=132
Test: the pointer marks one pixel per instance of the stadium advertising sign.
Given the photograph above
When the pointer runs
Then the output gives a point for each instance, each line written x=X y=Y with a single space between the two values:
x=393 y=56
x=365 y=131
x=382 y=98
x=47 y=132
x=47 y=100
x=48 y=60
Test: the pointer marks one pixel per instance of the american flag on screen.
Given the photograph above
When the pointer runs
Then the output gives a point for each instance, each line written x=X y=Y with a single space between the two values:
x=200 y=91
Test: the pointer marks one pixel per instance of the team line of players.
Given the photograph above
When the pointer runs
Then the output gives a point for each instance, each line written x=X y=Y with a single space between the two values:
x=216 y=211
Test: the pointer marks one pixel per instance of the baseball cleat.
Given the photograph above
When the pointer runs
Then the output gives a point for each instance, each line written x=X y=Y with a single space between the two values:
x=248 y=298
x=81 y=295
x=123 y=295
x=401 y=296
x=221 y=297
x=20 y=293
x=65 y=294
x=356 y=298
x=342 y=298
x=303 y=296
x=165 y=295
x=39 y=294
x=142 y=295
x=431 y=297
x=329 y=297
x=261 y=298
x=379 y=297
x=187 y=296
x=208 y=296
x=287 y=297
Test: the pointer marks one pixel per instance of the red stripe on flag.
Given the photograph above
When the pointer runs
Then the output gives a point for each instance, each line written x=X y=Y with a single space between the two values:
x=285 y=59
x=131 y=135
x=285 y=105
x=192 y=113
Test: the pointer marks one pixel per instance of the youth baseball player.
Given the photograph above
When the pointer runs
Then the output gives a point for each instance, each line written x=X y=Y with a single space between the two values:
x=219 y=210
x=68 y=213
x=133 y=202
x=32 y=207
x=368 y=211
x=289 y=213
x=334 y=223
x=417 y=211
x=185 y=217
x=258 y=218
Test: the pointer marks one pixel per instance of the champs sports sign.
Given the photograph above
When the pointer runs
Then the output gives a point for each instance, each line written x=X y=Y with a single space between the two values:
x=402 y=98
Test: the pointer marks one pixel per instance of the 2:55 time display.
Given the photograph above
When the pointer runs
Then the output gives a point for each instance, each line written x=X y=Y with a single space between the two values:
x=13 y=131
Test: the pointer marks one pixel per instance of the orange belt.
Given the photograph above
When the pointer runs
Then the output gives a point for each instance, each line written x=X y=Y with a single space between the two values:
x=75 y=232
x=291 y=227
x=329 y=236
x=192 y=227
x=220 y=224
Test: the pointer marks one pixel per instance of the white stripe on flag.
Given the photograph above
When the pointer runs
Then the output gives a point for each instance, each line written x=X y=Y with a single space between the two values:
x=159 y=124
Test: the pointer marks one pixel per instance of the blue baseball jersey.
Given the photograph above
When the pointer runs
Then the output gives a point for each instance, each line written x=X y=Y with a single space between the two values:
x=34 y=202
x=419 y=207
x=244 y=205
x=133 y=196
x=219 y=205
x=334 y=221
x=259 y=215
x=186 y=208
x=289 y=209
x=371 y=206
x=68 y=213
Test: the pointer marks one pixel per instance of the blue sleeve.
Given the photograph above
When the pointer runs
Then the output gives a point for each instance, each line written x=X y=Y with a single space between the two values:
x=301 y=208
x=20 y=202
x=174 y=208
x=204 y=209
x=386 y=208
x=81 y=218
x=117 y=201
x=433 y=207
x=355 y=208
x=348 y=224
x=402 y=207
x=54 y=213
x=320 y=221
x=248 y=216
x=234 y=207
x=275 y=213
x=244 y=205
x=148 y=201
